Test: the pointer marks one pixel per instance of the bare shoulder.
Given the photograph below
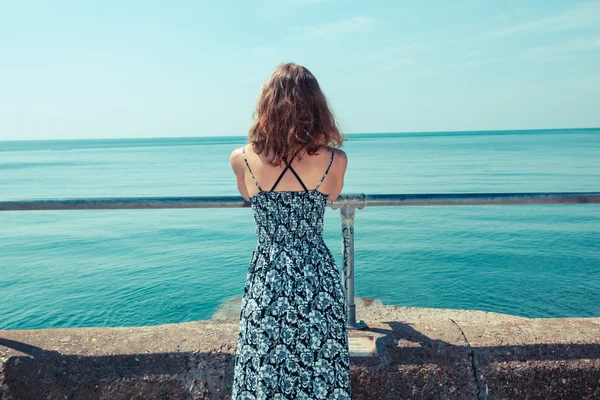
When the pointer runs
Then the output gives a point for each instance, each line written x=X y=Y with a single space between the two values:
x=340 y=158
x=236 y=158
x=339 y=153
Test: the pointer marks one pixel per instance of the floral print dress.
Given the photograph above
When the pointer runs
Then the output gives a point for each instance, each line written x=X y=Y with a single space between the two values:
x=293 y=341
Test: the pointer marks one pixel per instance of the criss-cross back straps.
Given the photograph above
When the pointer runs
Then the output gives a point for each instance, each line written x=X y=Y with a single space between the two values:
x=288 y=165
x=326 y=171
x=250 y=170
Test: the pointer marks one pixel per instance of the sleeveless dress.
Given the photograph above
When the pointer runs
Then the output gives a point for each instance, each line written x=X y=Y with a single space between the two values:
x=293 y=341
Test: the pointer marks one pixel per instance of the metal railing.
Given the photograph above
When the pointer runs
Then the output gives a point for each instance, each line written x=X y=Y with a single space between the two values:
x=347 y=204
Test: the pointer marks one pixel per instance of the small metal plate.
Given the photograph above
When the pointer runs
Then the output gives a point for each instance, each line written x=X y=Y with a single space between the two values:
x=362 y=346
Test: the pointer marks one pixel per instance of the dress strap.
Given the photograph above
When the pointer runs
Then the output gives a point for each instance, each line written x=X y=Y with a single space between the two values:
x=280 y=176
x=288 y=165
x=326 y=171
x=297 y=177
x=250 y=170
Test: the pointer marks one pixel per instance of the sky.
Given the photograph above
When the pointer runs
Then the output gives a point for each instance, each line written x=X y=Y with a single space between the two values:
x=74 y=69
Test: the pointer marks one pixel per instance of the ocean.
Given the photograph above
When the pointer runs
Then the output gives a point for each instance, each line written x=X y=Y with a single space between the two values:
x=92 y=268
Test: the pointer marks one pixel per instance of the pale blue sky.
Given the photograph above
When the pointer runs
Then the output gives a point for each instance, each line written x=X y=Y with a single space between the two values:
x=100 y=69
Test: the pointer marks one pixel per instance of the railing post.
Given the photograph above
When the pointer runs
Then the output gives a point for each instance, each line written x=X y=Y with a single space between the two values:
x=348 y=205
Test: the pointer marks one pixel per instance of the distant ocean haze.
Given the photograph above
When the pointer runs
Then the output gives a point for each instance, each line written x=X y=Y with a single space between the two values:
x=144 y=267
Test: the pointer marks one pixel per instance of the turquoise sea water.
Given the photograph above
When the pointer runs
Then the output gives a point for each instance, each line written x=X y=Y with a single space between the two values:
x=146 y=267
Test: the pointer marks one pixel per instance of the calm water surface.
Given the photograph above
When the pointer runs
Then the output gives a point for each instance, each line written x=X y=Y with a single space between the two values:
x=146 y=267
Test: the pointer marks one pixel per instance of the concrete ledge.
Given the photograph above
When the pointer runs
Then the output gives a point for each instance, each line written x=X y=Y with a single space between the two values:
x=421 y=354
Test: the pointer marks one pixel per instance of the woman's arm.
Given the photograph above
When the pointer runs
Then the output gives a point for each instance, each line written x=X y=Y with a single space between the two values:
x=338 y=169
x=239 y=169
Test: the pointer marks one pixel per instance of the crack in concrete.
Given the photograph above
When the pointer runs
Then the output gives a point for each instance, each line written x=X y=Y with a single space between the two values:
x=481 y=392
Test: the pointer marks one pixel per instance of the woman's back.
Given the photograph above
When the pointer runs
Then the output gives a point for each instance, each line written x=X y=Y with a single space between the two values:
x=289 y=218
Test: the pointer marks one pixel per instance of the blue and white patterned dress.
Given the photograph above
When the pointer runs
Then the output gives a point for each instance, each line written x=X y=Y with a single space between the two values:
x=293 y=340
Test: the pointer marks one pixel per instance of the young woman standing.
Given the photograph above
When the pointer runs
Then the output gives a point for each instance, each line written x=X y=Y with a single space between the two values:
x=293 y=340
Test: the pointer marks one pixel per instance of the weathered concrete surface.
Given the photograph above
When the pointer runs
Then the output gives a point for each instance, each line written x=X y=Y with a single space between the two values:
x=174 y=361
x=531 y=357
x=422 y=354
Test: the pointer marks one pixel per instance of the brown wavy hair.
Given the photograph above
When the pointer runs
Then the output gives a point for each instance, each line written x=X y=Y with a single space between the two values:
x=292 y=114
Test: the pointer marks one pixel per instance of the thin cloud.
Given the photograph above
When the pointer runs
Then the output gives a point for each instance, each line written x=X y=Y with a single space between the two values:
x=401 y=50
x=277 y=9
x=335 y=29
x=580 y=17
x=474 y=59
x=472 y=55
x=393 y=57
x=586 y=44
x=520 y=11
x=393 y=65
x=301 y=2
x=470 y=63
x=563 y=51
x=264 y=52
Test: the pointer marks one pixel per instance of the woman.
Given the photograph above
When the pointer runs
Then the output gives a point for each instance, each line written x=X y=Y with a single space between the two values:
x=293 y=341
